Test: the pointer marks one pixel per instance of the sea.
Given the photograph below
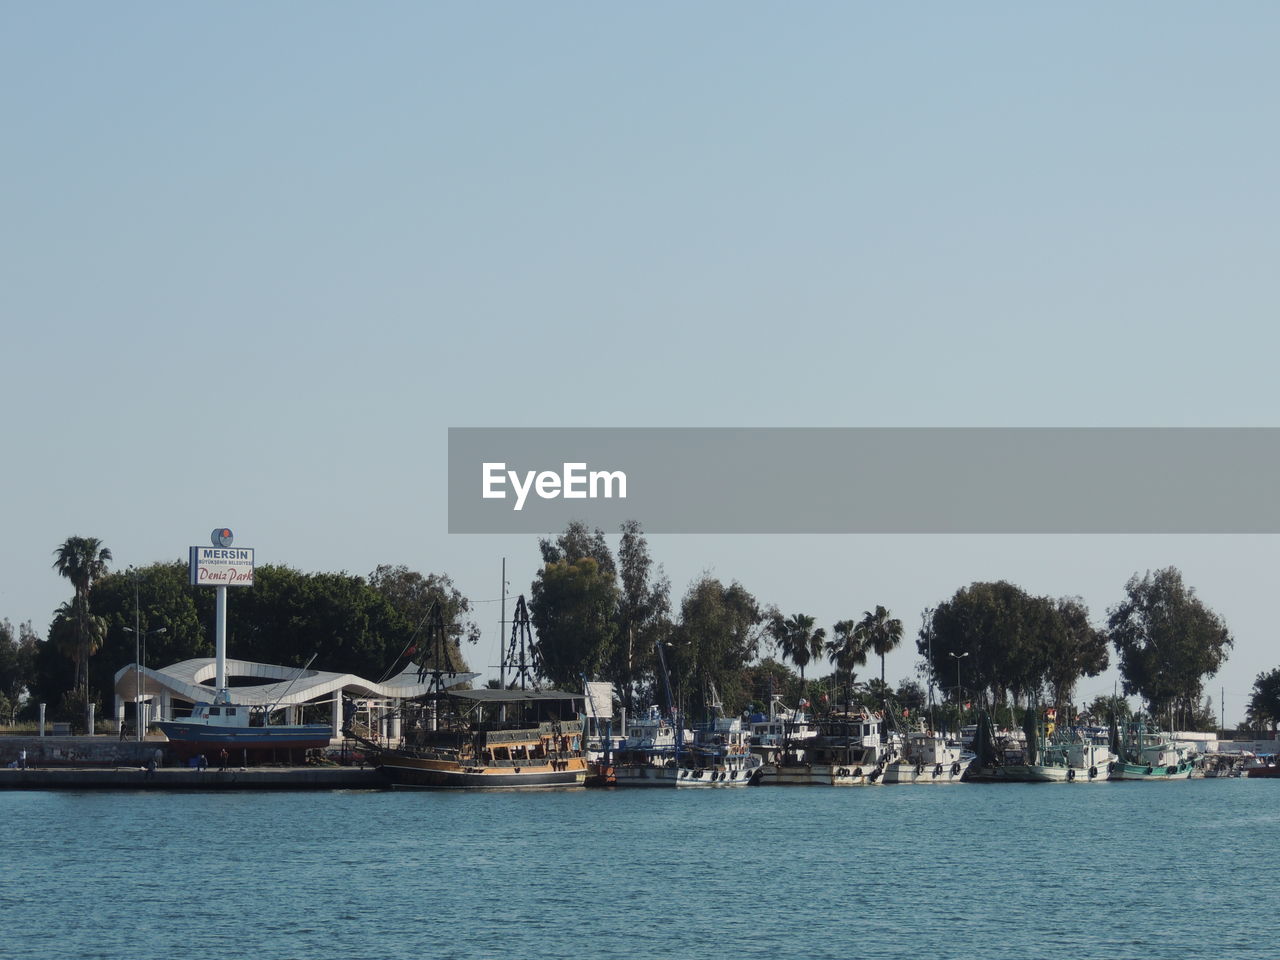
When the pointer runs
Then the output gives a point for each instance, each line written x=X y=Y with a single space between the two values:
x=1119 y=870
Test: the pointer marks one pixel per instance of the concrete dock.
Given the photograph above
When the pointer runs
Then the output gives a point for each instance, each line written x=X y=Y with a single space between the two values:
x=184 y=778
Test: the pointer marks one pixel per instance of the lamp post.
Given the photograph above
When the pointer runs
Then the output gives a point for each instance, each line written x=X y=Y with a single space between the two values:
x=139 y=652
x=959 y=710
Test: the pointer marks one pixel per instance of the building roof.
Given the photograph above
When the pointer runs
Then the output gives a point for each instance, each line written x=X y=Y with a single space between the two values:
x=289 y=685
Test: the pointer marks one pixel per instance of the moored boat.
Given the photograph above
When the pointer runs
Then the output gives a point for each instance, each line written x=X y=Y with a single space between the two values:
x=1146 y=753
x=489 y=739
x=927 y=757
x=846 y=751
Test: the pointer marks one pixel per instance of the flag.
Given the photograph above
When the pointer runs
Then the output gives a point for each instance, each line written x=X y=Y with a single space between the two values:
x=804 y=703
x=968 y=704
x=906 y=712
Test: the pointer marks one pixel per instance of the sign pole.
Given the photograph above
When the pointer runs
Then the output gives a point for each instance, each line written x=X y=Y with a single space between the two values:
x=220 y=640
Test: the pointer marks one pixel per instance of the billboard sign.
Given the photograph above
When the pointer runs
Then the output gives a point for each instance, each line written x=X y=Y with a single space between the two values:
x=221 y=566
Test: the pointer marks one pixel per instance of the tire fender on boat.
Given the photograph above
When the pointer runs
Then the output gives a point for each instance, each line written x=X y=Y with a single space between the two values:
x=955 y=769
x=1071 y=774
x=1093 y=772
x=919 y=768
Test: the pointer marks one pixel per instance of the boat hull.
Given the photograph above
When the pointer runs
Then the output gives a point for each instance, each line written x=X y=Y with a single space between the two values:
x=1134 y=771
x=821 y=774
x=734 y=775
x=903 y=771
x=432 y=774
x=192 y=739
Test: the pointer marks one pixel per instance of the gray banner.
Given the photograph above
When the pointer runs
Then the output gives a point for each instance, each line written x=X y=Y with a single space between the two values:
x=866 y=480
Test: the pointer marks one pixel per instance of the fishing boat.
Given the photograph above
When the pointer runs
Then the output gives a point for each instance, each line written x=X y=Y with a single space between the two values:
x=659 y=753
x=1146 y=753
x=927 y=757
x=999 y=755
x=782 y=729
x=847 y=750
x=244 y=732
x=643 y=758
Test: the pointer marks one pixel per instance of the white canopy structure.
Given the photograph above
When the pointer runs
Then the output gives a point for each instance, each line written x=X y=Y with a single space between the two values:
x=190 y=681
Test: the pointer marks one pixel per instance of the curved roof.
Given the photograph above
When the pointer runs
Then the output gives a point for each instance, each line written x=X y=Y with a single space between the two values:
x=187 y=681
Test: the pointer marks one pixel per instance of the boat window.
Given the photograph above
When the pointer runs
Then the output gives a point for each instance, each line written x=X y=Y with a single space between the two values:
x=231 y=711
x=215 y=711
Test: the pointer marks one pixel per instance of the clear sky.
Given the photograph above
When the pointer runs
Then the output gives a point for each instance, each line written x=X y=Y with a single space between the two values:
x=255 y=259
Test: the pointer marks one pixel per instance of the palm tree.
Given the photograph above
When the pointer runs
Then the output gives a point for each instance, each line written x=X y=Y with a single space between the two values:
x=77 y=634
x=82 y=560
x=880 y=633
x=848 y=650
x=798 y=641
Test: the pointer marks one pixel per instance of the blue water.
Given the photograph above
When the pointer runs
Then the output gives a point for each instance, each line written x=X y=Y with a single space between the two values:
x=1177 y=870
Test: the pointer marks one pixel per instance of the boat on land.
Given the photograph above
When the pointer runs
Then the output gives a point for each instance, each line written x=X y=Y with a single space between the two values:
x=847 y=750
x=489 y=739
x=1147 y=753
x=245 y=732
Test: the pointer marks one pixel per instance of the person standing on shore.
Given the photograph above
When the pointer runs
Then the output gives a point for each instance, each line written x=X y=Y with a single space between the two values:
x=22 y=759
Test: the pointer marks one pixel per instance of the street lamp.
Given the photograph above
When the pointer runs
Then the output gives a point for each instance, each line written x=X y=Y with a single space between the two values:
x=139 y=652
x=959 y=710
x=140 y=639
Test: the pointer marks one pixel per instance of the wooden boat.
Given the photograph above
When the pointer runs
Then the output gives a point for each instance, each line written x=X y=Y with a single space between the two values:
x=490 y=739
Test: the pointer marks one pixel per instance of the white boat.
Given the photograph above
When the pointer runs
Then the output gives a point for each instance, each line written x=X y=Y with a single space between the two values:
x=847 y=750
x=1089 y=756
x=658 y=753
x=927 y=757
x=782 y=729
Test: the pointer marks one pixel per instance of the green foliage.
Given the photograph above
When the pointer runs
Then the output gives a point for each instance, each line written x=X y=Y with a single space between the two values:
x=1167 y=641
x=82 y=560
x=848 y=650
x=797 y=639
x=17 y=662
x=413 y=597
x=573 y=610
x=1264 y=702
x=879 y=633
x=719 y=631
x=1011 y=642
x=643 y=615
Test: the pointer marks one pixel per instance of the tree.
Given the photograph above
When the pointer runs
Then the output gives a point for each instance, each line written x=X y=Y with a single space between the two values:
x=718 y=634
x=797 y=639
x=1167 y=641
x=1011 y=642
x=82 y=560
x=1264 y=702
x=848 y=650
x=1081 y=650
x=880 y=633
x=17 y=663
x=572 y=608
x=577 y=542
x=414 y=597
x=643 y=613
